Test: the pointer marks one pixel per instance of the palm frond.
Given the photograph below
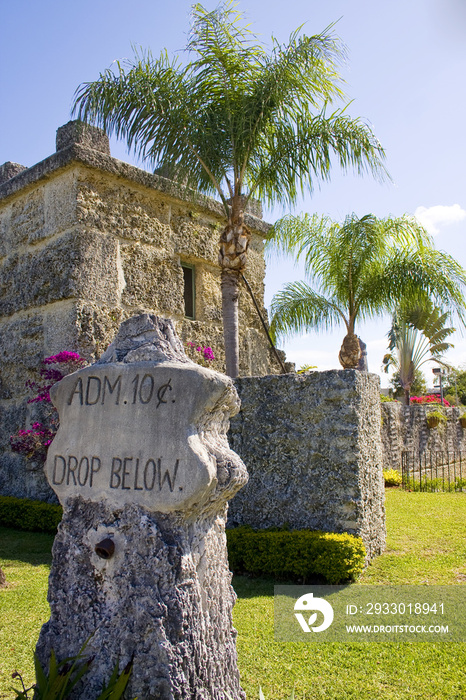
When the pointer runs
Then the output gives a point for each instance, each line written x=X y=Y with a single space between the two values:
x=412 y=272
x=389 y=361
x=367 y=265
x=417 y=336
x=151 y=104
x=292 y=235
x=237 y=119
x=296 y=155
x=298 y=308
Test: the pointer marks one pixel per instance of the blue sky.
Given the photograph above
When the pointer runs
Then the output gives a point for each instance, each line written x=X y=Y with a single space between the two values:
x=405 y=75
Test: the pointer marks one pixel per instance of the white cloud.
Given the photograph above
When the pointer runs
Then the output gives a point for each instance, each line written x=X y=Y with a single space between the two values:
x=433 y=218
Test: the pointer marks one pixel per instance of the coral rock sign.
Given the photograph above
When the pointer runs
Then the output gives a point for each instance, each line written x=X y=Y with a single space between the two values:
x=142 y=467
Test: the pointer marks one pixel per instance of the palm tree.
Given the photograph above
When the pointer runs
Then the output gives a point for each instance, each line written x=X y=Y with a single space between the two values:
x=360 y=269
x=236 y=121
x=418 y=387
x=417 y=336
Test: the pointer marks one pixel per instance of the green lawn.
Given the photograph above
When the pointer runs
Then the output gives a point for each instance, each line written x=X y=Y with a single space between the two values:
x=426 y=540
x=25 y=558
x=426 y=544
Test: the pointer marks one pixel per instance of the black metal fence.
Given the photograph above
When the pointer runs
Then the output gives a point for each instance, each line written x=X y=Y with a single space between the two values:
x=433 y=471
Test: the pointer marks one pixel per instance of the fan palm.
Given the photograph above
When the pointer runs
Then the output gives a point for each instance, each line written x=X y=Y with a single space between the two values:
x=359 y=270
x=237 y=121
x=416 y=337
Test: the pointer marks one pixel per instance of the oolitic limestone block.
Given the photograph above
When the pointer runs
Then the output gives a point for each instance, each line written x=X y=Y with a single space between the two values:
x=156 y=456
x=142 y=466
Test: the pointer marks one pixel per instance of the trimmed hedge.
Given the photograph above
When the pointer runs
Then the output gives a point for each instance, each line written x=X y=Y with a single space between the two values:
x=296 y=553
x=280 y=553
x=33 y=516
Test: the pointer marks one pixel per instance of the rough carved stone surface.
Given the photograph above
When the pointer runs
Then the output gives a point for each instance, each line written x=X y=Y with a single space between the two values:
x=145 y=337
x=84 y=134
x=9 y=170
x=404 y=428
x=87 y=241
x=164 y=598
x=313 y=450
x=362 y=364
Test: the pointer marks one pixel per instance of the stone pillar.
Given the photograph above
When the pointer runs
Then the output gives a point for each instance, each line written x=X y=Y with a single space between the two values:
x=9 y=170
x=142 y=467
x=362 y=364
x=314 y=454
x=83 y=134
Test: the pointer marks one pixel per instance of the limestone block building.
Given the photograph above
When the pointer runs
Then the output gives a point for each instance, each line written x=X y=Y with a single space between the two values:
x=87 y=241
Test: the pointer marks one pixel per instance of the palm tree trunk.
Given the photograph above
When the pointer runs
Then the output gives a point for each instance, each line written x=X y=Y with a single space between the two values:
x=232 y=257
x=350 y=351
x=406 y=397
x=230 y=295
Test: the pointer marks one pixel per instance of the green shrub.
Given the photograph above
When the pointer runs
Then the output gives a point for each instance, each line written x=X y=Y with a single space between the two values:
x=296 y=554
x=24 y=514
x=392 y=477
x=64 y=675
x=435 y=485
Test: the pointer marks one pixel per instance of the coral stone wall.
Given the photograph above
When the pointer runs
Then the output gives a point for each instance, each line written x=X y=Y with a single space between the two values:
x=313 y=450
x=404 y=428
x=87 y=241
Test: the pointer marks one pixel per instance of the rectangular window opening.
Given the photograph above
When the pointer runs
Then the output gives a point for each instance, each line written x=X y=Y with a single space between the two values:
x=189 y=290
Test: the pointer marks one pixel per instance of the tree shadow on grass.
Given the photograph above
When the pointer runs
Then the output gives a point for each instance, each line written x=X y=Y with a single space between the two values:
x=29 y=547
x=249 y=586
x=252 y=587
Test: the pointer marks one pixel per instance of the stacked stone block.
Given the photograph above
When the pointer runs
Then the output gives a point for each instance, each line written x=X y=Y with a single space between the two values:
x=312 y=446
x=404 y=429
x=87 y=241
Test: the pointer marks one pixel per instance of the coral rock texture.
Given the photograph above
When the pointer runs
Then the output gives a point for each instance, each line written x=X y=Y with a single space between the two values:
x=164 y=597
